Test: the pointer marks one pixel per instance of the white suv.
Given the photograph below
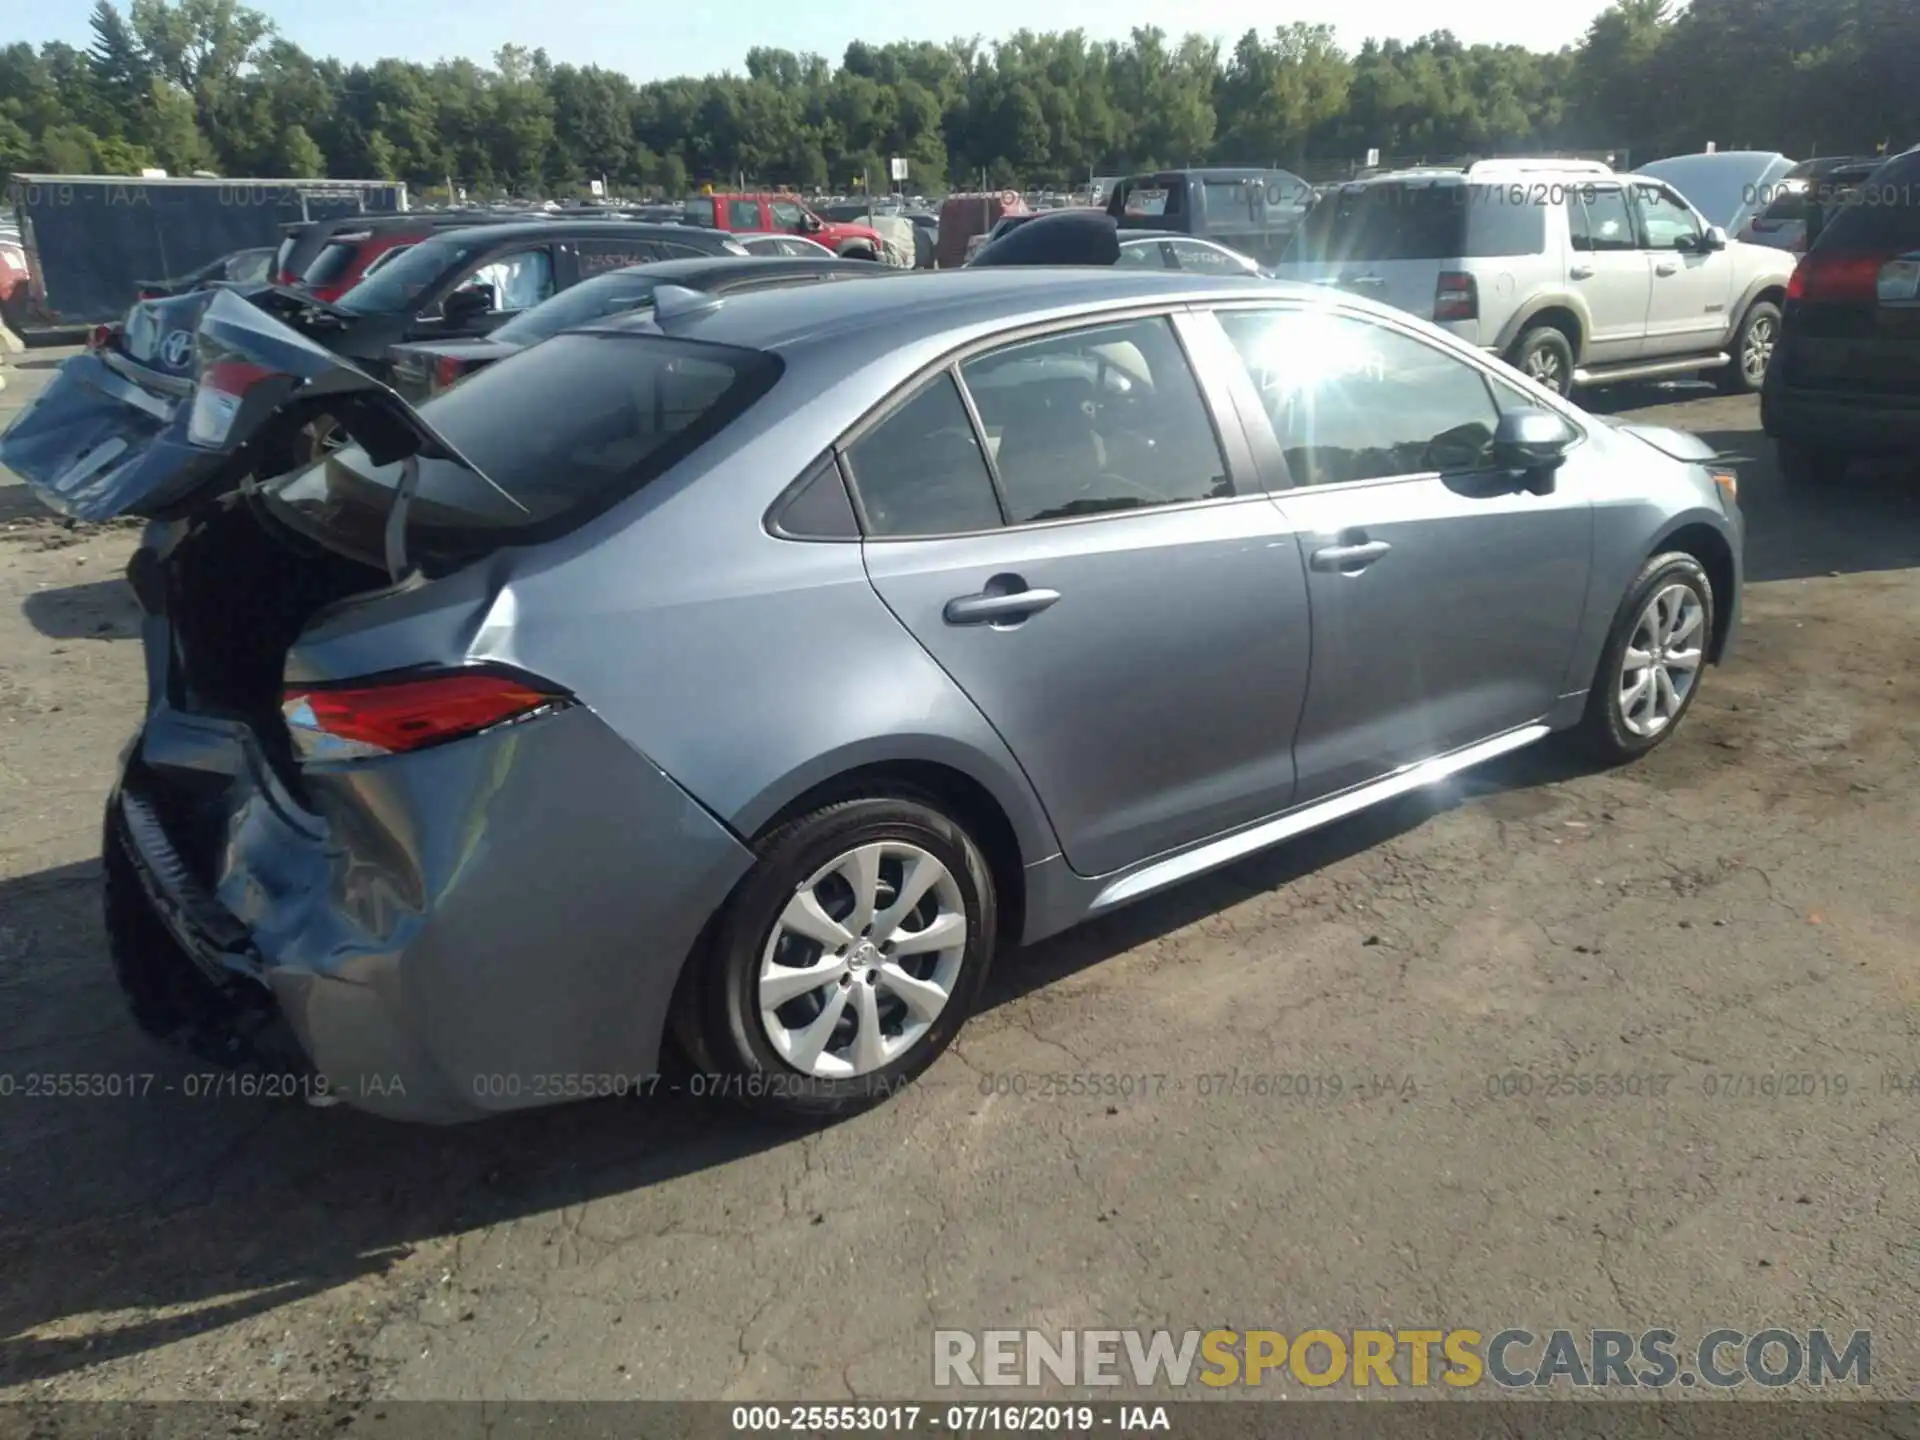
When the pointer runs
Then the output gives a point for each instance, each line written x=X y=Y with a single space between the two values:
x=1569 y=271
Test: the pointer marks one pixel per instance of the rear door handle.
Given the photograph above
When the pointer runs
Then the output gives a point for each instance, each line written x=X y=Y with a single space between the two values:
x=1581 y=272
x=1349 y=559
x=991 y=607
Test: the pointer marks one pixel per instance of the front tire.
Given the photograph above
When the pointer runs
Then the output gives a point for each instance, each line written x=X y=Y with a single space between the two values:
x=847 y=959
x=1753 y=346
x=1651 y=665
x=1545 y=357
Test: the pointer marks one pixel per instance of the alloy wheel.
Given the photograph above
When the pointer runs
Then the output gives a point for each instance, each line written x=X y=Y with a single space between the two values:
x=1543 y=366
x=1758 y=349
x=862 y=960
x=1662 y=660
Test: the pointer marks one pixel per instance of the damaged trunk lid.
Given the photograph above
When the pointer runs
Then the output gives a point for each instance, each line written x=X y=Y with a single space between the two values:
x=173 y=417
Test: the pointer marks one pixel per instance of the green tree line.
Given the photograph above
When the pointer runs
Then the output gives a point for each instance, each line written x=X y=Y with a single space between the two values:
x=209 y=85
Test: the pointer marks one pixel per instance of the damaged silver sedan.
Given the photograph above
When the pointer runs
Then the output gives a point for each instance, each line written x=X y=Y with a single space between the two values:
x=752 y=669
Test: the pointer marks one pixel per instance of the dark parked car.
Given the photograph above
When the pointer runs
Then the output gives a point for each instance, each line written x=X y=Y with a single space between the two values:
x=756 y=669
x=241 y=267
x=330 y=257
x=1091 y=237
x=459 y=284
x=1844 y=380
x=1252 y=211
x=430 y=366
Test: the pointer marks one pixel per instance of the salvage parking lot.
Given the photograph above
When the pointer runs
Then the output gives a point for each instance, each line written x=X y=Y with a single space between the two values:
x=1323 y=1088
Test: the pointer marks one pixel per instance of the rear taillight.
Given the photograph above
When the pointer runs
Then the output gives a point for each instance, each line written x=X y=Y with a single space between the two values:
x=1853 y=278
x=370 y=718
x=100 y=337
x=222 y=387
x=446 y=370
x=1456 y=296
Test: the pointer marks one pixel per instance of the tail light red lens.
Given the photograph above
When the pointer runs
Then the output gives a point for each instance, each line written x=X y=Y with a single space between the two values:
x=216 y=400
x=1839 y=278
x=100 y=338
x=1456 y=296
x=372 y=718
x=446 y=370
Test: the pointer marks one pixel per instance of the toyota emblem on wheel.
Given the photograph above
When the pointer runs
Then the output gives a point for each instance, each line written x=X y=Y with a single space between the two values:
x=177 y=349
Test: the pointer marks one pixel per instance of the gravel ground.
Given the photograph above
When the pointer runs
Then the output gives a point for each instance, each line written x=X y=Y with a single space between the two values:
x=1741 y=904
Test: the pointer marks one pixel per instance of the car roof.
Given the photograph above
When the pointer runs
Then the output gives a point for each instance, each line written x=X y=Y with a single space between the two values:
x=941 y=301
x=578 y=229
x=709 y=268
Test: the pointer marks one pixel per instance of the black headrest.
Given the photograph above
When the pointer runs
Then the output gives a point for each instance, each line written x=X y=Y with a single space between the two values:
x=1065 y=237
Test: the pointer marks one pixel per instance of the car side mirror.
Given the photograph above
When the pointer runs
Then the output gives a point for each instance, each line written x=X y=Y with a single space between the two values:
x=469 y=303
x=1715 y=238
x=809 y=224
x=1534 y=443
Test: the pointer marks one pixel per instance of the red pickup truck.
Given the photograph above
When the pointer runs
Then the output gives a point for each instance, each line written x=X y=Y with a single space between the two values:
x=751 y=214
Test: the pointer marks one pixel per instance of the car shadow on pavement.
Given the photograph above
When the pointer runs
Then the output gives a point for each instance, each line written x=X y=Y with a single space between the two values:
x=160 y=1215
x=1863 y=517
x=96 y=610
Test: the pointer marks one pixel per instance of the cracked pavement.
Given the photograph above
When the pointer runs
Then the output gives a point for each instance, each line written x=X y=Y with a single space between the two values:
x=1740 y=905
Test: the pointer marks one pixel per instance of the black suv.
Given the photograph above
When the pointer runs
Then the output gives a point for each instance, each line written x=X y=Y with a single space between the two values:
x=1844 y=380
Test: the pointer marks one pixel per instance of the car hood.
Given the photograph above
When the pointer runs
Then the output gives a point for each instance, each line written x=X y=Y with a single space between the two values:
x=1676 y=444
x=1753 y=261
x=111 y=436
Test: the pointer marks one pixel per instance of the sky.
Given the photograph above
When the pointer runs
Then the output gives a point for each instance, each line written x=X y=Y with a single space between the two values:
x=651 y=42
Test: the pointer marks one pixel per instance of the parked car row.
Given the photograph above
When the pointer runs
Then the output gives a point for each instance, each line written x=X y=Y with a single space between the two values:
x=508 y=732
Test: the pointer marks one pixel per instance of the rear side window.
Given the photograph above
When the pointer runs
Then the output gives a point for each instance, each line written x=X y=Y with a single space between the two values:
x=1385 y=222
x=617 y=411
x=920 y=470
x=700 y=211
x=1883 y=213
x=1228 y=200
x=1508 y=219
x=333 y=262
x=1097 y=420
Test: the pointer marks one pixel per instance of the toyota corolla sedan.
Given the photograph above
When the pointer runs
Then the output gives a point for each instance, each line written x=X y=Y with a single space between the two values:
x=755 y=670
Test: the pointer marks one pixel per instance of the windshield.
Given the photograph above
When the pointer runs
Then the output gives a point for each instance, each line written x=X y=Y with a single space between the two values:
x=1720 y=187
x=614 y=412
x=395 y=286
x=590 y=300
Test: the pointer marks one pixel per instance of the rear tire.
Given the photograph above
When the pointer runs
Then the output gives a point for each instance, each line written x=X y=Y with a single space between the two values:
x=760 y=1031
x=1651 y=666
x=1753 y=346
x=1545 y=356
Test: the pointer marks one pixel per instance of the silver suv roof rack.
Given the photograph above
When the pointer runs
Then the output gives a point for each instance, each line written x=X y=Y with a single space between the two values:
x=1539 y=166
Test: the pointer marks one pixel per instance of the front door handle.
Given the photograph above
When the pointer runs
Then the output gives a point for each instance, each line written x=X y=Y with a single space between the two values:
x=1666 y=267
x=1581 y=272
x=1349 y=559
x=994 y=606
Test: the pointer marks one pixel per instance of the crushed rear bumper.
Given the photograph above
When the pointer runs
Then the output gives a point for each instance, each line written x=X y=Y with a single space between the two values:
x=492 y=924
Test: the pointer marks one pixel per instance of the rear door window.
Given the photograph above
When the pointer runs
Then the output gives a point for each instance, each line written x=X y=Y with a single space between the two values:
x=920 y=470
x=744 y=215
x=1143 y=255
x=1599 y=219
x=1098 y=420
x=596 y=257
